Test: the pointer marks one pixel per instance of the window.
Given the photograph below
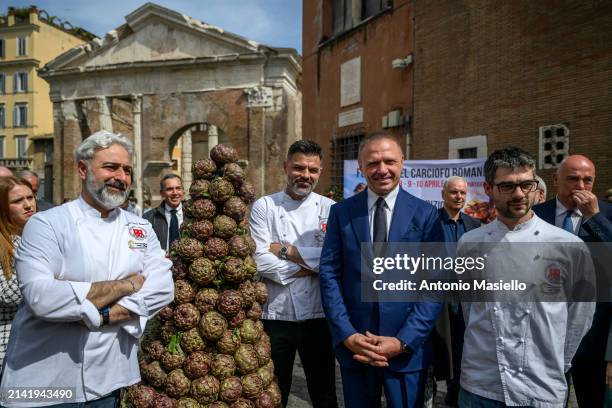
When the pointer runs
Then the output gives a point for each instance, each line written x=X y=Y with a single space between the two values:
x=2 y=117
x=468 y=153
x=20 y=115
x=20 y=141
x=345 y=148
x=2 y=147
x=470 y=147
x=2 y=82
x=348 y=13
x=554 y=145
x=22 y=48
x=1 y=48
x=20 y=82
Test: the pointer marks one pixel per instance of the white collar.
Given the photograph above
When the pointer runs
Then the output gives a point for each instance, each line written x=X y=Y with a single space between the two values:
x=389 y=198
x=561 y=209
x=92 y=212
x=523 y=226
x=167 y=208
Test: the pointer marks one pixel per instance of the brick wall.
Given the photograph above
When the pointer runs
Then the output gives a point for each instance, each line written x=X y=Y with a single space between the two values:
x=503 y=69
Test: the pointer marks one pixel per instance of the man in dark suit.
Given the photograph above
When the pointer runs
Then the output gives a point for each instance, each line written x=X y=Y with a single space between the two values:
x=454 y=224
x=168 y=217
x=577 y=210
x=378 y=344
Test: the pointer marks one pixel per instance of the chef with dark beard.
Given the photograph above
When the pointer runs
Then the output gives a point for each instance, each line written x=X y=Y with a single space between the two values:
x=289 y=227
x=91 y=275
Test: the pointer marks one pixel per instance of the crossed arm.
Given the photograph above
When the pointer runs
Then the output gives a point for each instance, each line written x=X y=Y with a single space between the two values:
x=108 y=293
x=39 y=261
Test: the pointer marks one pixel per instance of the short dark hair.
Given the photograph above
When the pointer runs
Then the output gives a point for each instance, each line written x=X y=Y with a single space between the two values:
x=306 y=147
x=510 y=158
x=168 y=177
x=374 y=136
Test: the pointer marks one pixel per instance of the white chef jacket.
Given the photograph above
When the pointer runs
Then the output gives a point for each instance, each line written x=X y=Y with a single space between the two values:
x=56 y=339
x=518 y=352
x=301 y=223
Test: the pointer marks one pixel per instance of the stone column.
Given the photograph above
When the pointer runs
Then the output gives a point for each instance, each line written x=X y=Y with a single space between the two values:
x=58 y=136
x=213 y=137
x=257 y=147
x=68 y=181
x=258 y=100
x=137 y=159
x=186 y=158
x=104 y=115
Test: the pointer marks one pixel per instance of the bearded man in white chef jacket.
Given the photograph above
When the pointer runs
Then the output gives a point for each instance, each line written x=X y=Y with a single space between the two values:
x=289 y=228
x=91 y=276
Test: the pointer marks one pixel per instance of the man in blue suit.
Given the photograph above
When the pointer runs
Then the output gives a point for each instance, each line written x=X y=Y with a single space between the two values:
x=577 y=210
x=378 y=344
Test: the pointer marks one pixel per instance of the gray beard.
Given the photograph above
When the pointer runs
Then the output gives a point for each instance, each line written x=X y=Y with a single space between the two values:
x=101 y=194
x=301 y=192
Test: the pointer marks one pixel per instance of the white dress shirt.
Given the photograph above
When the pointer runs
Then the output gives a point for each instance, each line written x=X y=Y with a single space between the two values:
x=56 y=338
x=389 y=206
x=560 y=213
x=168 y=214
x=301 y=223
x=518 y=352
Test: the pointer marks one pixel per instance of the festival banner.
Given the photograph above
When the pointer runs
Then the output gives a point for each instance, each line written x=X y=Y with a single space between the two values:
x=425 y=178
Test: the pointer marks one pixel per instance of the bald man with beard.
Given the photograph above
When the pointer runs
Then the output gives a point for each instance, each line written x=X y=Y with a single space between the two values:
x=577 y=210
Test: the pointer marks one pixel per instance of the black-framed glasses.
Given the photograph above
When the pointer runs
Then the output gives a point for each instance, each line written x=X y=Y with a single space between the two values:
x=526 y=186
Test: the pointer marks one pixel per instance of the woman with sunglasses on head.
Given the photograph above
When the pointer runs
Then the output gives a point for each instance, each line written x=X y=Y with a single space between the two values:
x=17 y=205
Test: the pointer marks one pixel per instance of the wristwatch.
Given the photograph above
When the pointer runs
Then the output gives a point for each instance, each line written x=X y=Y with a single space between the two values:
x=283 y=252
x=405 y=349
x=105 y=311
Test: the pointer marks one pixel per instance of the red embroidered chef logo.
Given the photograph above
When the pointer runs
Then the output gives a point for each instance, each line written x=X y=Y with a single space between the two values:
x=138 y=233
x=553 y=274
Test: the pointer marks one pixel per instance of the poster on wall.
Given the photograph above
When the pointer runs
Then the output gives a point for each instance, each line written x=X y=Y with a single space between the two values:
x=425 y=179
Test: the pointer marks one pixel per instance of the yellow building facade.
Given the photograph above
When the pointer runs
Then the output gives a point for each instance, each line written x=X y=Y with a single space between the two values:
x=29 y=38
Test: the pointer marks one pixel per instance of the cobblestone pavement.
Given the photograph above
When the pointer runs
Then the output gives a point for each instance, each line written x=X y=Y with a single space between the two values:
x=299 y=392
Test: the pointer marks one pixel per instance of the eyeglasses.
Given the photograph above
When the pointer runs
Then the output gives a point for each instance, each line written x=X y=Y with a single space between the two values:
x=526 y=186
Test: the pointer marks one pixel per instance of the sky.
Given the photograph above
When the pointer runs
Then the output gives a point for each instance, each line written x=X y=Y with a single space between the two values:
x=277 y=23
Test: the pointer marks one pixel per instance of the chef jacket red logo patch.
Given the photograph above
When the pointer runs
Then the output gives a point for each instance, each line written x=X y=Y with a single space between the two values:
x=138 y=233
x=553 y=274
x=552 y=277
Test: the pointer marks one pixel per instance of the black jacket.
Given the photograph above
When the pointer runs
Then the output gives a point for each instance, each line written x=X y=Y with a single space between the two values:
x=157 y=218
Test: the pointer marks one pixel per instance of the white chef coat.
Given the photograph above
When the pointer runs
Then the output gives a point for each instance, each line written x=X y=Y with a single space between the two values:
x=518 y=352
x=301 y=223
x=56 y=339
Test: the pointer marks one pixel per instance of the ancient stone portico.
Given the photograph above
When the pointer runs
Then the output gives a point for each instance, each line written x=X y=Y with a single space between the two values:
x=176 y=87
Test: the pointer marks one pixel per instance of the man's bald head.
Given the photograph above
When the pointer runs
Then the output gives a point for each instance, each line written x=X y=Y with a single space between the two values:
x=576 y=172
x=5 y=172
x=576 y=161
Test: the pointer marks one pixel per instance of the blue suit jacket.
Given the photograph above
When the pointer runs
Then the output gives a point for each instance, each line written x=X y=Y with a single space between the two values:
x=596 y=229
x=413 y=220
